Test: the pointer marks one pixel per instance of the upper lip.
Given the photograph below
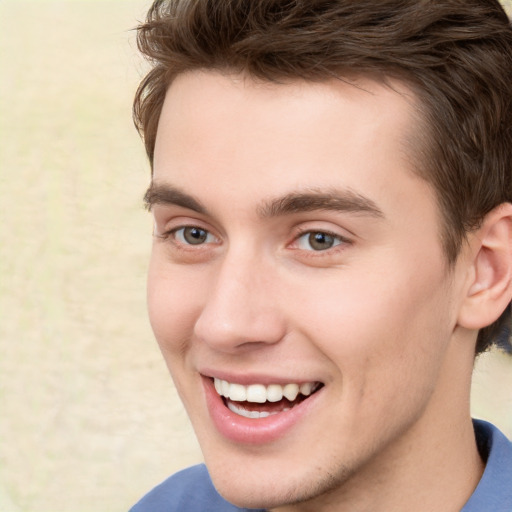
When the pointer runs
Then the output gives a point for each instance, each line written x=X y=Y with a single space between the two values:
x=247 y=379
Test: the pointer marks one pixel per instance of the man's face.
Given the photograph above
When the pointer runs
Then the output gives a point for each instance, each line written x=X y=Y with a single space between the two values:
x=296 y=250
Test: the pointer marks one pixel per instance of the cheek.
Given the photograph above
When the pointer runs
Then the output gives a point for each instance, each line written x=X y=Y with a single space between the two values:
x=172 y=300
x=387 y=330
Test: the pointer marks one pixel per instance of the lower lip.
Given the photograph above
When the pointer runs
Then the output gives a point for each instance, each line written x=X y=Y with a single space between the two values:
x=253 y=430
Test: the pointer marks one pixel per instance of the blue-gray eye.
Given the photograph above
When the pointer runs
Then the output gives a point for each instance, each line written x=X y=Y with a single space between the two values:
x=317 y=241
x=193 y=235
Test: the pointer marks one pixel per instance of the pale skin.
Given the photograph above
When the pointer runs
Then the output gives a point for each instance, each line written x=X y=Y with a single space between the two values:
x=375 y=313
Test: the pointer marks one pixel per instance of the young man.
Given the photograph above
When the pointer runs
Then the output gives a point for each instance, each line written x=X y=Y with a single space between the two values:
x=331 y=189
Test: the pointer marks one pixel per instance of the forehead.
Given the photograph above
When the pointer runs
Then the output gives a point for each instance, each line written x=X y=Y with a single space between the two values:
x=224 y=135
x=239 y=102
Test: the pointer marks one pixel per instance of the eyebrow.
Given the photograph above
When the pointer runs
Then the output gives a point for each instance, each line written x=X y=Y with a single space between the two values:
x=345 y=200
x=309 y=200
x=169 y=195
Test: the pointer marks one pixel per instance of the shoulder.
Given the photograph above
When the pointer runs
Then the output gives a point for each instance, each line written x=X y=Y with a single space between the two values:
x=494 y=492
x=191 y=490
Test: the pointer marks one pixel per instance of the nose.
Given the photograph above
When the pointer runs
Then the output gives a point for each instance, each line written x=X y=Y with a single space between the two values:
x=241 y=310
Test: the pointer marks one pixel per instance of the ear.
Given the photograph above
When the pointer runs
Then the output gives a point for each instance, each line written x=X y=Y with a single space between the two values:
x=489 y=285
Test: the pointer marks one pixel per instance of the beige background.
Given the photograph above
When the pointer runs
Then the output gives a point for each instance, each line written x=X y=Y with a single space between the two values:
x=89 y=419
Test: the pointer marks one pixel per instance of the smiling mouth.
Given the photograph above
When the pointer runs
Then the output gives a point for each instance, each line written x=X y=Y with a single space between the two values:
x=259 y=401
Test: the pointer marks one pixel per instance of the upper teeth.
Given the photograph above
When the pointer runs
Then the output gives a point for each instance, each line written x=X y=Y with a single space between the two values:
x=260 y=393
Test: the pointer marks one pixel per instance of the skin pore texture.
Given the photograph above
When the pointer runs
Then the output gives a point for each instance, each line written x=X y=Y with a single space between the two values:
x=294 y=243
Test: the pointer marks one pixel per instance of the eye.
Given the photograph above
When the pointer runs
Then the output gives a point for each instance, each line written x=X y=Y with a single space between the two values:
x=192 y=235
x=318 y=241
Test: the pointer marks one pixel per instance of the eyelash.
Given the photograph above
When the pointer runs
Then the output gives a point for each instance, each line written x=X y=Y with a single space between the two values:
x=341 y=241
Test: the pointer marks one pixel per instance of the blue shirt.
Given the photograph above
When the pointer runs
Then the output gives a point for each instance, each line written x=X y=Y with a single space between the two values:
x=191 y=490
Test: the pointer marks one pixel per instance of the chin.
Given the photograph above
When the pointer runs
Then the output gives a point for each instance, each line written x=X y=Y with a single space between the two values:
x=256 y=494
x=250 y=482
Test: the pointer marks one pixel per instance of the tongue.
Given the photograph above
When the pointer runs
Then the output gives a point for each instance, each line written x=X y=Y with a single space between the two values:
x=268 y=406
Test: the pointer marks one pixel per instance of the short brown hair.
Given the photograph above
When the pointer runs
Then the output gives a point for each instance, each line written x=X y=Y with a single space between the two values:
x=456 y=56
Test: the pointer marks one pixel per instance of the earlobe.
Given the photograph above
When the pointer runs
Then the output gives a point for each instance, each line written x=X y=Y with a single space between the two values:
x=489 y=288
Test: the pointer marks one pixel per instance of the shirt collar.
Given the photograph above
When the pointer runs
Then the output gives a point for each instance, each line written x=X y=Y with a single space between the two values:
x=494 y=491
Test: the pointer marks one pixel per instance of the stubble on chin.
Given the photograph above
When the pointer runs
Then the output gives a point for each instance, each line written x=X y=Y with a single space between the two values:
x=320 y=489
